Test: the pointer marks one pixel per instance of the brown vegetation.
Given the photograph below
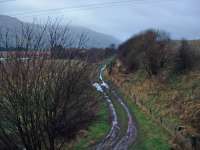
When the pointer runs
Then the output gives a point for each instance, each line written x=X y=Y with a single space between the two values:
x=164 y=77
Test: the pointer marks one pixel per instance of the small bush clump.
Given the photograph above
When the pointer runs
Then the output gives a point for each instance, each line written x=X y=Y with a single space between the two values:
x=149 y=50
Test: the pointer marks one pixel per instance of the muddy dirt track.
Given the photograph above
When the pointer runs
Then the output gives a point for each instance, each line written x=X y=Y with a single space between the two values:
x=116 y=139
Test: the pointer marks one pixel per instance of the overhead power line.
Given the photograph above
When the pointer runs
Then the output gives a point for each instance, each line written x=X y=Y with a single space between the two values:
x=82 y=7
x=5 y=1
x=77 y=7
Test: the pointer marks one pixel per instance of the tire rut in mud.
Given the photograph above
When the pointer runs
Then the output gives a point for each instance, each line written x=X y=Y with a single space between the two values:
x=113 y=141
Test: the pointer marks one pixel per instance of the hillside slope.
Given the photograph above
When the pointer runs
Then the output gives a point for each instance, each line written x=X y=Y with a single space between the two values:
x=95 y=39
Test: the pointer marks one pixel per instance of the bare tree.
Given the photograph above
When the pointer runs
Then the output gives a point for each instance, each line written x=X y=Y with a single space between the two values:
x=43 y=101
x=4 y=37
x=83 y=39
x=1 y=38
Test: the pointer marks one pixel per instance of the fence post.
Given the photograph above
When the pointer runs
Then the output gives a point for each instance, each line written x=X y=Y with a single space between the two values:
x=161 y=121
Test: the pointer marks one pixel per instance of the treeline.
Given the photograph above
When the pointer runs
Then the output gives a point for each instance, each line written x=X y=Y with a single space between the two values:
x=12 y=49
x=154 y=51
x=92 y=55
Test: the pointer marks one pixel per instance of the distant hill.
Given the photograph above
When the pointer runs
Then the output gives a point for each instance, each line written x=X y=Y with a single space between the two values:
x=95 y=39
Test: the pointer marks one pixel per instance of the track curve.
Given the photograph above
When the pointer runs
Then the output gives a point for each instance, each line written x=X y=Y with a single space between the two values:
x=113 y=141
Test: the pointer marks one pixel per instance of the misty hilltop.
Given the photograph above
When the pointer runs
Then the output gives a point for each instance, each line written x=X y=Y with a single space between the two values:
x=94 y=39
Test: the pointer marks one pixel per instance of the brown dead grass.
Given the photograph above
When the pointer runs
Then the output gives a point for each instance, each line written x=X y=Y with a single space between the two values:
x=177 y=98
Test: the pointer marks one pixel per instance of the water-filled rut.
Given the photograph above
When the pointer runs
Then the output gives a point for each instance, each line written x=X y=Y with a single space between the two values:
x=114 y=140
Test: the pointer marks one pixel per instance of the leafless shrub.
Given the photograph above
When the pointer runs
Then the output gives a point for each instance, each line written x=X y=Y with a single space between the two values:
x=4 y=37
x=130 y=53
x=43 y=101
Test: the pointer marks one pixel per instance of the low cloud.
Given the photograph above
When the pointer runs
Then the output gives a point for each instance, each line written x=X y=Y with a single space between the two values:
x=178 y=17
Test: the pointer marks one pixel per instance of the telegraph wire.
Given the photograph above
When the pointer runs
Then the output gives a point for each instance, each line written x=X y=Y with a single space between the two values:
x=81 y=7
x=5 y=1
x=103 y=4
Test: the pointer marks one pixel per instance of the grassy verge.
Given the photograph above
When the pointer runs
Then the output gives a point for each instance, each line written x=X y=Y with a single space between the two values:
x=96 y=131
x=150 y=135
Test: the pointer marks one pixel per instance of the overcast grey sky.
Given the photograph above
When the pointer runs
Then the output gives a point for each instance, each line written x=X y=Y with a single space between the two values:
x=181 y=18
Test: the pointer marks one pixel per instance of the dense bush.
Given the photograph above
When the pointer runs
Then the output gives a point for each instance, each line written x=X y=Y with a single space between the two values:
x=130 y=52
x=156 y=52
x=149 y=49
x=186 y=57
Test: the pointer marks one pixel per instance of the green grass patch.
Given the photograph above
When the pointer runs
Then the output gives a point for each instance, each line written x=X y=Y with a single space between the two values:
x=151 y=136
x=96 y=131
